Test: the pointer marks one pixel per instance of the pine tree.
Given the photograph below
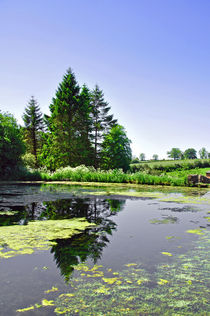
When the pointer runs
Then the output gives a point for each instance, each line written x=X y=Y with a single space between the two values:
x=33 y=120
x=84 y=146
x=63 y=123
x=102 y=121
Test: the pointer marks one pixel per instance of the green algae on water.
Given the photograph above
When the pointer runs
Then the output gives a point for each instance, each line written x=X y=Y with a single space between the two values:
x=195 y=231
x=164 y=220
x=40 y=235
x=178 y=288
x=165 y=195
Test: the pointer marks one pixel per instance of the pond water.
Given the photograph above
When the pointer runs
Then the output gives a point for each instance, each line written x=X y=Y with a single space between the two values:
x=146 y=253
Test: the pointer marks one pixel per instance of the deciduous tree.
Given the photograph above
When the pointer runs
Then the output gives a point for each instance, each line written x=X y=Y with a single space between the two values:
x=11 y=144
x=116 y=150
x=155 y=157
x=203 y=153
x=142 y=157
x=175 y=153
x=190 y=153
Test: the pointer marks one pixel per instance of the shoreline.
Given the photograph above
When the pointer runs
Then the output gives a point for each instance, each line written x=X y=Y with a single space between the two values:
x=102 y=184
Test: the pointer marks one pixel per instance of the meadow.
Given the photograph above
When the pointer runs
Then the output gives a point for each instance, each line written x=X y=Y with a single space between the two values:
x=170 y=165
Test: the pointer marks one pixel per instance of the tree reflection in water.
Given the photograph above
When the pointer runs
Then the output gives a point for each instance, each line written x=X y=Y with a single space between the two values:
x=79 y=248
x=87 y=245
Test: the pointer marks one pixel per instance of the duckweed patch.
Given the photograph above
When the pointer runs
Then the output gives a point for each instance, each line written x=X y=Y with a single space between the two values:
x=162 y=196
x=26 y=309
x=167 y=254
x=164 y=220
x=53 y=289
x=178 y=288
x=41 y=235
x=207 y=218
x=195 y=231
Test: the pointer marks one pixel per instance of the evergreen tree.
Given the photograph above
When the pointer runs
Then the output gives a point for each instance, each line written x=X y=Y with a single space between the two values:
x=116 y=150
x=102 y=121
x=68 y=140
x=63 y=126
x=84 y=146
x=33 y=120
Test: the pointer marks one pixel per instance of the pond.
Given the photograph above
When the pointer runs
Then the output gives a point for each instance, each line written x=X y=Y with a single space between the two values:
x=104 y=250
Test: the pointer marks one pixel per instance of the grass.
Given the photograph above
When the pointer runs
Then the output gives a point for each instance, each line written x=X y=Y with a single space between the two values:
x=170 y=165
x=183 y=173
x=170 y=173
x=89 y=174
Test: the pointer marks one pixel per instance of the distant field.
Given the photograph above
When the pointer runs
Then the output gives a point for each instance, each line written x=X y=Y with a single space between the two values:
x=183 y=173
x=170 y=165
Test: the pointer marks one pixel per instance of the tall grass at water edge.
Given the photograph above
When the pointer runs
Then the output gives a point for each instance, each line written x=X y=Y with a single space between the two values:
x=89 y=174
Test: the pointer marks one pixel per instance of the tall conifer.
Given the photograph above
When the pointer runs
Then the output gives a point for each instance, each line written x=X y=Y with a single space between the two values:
x=85 y=148
x=102 y=121
x=63 y=123
x=33 y=120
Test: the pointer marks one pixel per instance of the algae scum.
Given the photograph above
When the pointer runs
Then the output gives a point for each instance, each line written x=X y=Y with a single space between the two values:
x=112 y=250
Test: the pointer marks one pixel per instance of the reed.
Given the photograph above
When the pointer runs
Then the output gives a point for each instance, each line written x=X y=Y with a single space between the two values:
x=89 y=174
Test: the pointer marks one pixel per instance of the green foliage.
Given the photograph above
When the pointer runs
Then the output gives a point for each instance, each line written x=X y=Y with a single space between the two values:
x=184 y=173
x=135 y=160
x=142 y=157
x=116 y=151
x=155 y=157
x=175 y=153
x=29 y=160
x=33 y=120
x=79 y=118
x=11 y=145
x=102 y=121
x=89 y=174
x=61 y=143
x=85 y=128
x=190 y=153
x=203 y=153
x=170 y=165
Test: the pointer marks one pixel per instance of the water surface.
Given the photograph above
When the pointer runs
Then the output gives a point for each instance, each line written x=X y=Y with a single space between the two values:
x=138 y=234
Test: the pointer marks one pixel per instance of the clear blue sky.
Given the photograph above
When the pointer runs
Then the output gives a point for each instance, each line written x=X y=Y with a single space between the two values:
x=150 y=57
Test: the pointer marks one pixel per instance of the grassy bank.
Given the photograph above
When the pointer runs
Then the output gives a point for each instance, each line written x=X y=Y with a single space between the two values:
x=170 y=165
x=184 y=173
x=89 y=174
x=151 y=176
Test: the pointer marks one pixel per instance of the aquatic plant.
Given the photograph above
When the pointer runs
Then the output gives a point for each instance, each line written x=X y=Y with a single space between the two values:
x=165 y=220
x=39 y=235
x=178 y=288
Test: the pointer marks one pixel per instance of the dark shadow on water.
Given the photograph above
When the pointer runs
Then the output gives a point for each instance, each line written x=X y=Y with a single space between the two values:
x=79 y=248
